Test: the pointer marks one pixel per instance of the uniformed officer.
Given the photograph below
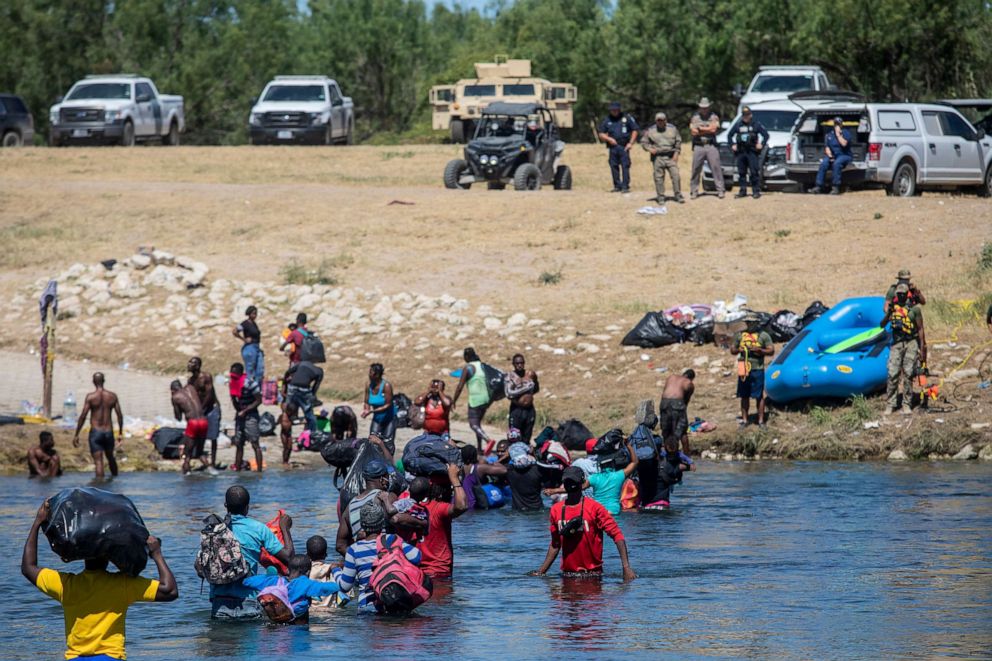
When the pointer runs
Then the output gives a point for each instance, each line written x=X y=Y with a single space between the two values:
x=704 y=126
x=619 y=132
x=664 y=144
x=746 y=139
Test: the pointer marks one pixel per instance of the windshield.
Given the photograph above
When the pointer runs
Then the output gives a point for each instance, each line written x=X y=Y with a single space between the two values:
x=295 y=93
x=480 y=90
x=100 y=91
x=777 y=120
x=518 y=90
x=501 y=126
x=765 y=84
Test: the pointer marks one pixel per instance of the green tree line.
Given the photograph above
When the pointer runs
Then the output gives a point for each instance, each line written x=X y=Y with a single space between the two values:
x=648 y=54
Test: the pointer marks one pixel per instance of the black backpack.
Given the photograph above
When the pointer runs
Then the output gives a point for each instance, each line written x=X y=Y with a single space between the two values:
x=168 y=442
x=495 y=382
x=573 y=434
x=609 y=442
x=402 y=405
x=312 y=349
x=266 y=424
x=428 y=455
x=340 y=454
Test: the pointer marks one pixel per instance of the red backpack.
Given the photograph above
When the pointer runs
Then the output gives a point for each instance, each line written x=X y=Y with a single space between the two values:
x=398 y=584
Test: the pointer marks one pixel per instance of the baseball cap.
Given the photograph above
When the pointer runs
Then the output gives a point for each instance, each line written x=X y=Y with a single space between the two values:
x=590 y=444
x=704 y=102
x=573 y=474
x=323 y=413
x=373 y=469
x=614 y=105
x=746 y=110
x=838 y=120
x=902 y=288
x=904 y=274
x=661 y=115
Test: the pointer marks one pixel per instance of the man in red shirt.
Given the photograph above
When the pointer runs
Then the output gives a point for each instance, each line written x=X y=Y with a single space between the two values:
x=296 y=339
x=438 y=558
x=577 y=527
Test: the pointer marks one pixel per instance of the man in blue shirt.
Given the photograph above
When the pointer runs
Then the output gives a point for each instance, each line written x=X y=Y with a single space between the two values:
x=234 y=600
x=619 y=131
x=746 y=139
x=837 y=156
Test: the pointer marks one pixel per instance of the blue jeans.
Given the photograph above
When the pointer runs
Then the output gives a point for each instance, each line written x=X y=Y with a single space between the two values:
x=303 y=399
x=620 y=167
x=254 y=362
x=747 y=164
x=838 y=165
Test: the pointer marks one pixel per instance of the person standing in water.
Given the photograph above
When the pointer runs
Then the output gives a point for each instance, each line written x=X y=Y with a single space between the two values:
x=204 y=384
x=521 y=388
x=185 y=402
x=673 y=409
x=99 y=406
x=251 y=345
x=379 y=405
x=474 y=378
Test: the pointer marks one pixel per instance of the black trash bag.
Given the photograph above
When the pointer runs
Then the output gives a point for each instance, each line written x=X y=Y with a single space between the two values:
x=354 y=481
x=169 y=442
x=266 y=424
x=813 y=312
x=495 y=382
x=609 y=442
x=784 y=325
x=402 y=404
x=616 y=460
x=87 y=524
x=341 y=454
x=573 y=434
x=653 y=331
x=428 y=455
x=700 y=333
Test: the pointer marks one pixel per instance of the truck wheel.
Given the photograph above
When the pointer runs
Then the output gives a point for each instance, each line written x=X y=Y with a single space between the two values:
x=986 y=190
x=904 y=182
x=171 y=139
x=127 y=136
x=527 y=177
x=457 y=131
x=11 y=139
x=563 y=178
x=453 y=171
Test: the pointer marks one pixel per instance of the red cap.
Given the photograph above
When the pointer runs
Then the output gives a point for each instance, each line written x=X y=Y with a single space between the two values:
x=590 y=444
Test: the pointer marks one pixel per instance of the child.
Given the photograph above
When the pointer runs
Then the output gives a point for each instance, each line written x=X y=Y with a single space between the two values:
x=320 y=571
x=286 y=601
x=412 y=504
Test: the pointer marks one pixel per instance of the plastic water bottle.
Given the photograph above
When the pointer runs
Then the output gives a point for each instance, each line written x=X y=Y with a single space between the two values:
x=69 y=414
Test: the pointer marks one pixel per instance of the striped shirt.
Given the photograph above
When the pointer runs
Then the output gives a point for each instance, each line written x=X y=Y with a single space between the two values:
x=357 y=568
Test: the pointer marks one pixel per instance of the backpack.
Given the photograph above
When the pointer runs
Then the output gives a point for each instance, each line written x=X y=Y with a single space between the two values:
x=267 y=424
x=553 y=452
x=312 y=349
x=168 y=442
x=312 y=441
x=401 y=407
x=609 y=442
x=274 y=601
x=495 y=382
x=340 y=453
x=270 y=392
x=219 y=560
x=573 y=434
x=645 y=443
x=399 y=585
x=428 y=455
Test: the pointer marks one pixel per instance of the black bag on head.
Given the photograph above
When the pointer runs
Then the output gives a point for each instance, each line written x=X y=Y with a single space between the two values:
x=573 y=434
x=340 y=454
x=312 y=349
x=653 y=331
x=428 y=455
x=354 y=481
x=87 y=524
x=402 y=405
x=609 y=442
x=168 y=442
x=495 y=382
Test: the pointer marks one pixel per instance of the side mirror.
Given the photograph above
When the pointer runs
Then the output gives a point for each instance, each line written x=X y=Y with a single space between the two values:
x=738 y=90
x=980 y=134
x=143 y=98
x=337 y=102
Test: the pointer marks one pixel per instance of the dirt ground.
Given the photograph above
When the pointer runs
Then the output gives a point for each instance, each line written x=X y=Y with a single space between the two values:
x=583 y=263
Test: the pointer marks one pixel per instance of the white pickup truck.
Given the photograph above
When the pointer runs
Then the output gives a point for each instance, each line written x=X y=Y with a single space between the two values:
x=116 y=109
x=776 y=83
x=302 y=110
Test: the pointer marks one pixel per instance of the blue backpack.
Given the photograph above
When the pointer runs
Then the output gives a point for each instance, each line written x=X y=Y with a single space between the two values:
x=645 y=443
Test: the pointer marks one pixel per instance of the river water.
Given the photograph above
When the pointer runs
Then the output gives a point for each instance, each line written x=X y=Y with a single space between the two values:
x=775 y=559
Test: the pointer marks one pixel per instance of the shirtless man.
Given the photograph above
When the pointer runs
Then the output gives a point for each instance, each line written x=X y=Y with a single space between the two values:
x=99 y=405
x=523 y=385
x=186 y=402
x=204 y=384
x=673 y=409
x=43 y=459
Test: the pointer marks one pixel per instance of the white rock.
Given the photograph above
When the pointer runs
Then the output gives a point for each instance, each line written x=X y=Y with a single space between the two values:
x=986 y=453
x=897 y=455
x=974 y=425
x=161 y=275
x=306 y=302
x=356 y=314
x=645 y=356
x=962 y=374
x=140 y=261
x=700 y=361
x=484 y=311
x=122 y=281
x=491 y=323
x=518 y=319
x=587 y=347
x=74 y=271
x=163 y=257
x=967 y=453
x=534 y=323
x=370 y=329
x=187 y=349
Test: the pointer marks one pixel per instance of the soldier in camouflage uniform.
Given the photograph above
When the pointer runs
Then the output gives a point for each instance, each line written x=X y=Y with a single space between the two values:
x=664 y=144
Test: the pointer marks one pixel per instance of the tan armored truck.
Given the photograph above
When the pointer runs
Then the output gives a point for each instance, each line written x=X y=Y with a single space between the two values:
x=458 y=107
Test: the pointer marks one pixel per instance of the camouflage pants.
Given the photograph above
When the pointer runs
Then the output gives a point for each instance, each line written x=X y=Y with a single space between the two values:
x=902 y=360
x=662 y=165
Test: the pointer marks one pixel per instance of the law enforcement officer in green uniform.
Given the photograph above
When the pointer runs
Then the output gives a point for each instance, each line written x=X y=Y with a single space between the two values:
x=664 y=144
x=909 y=344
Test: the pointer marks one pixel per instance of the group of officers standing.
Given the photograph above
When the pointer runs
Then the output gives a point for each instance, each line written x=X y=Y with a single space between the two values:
x=747 y=139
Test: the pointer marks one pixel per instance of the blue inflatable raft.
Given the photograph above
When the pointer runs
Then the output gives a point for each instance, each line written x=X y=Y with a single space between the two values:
x=841 y=354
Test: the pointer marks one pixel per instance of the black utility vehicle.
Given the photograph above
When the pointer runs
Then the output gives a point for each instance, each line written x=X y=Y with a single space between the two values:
x=16 y=123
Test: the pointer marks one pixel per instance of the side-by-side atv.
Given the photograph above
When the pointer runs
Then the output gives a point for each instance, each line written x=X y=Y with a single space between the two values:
x=514 y=143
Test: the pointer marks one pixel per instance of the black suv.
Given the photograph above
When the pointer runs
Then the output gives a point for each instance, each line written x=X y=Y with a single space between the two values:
x=514 y=143
x=16 y=123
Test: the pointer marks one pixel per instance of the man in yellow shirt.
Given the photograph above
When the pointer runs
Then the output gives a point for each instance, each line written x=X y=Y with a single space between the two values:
x=95 y=601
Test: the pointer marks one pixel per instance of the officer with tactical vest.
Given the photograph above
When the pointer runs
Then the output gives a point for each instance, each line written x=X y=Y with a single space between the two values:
x=664 y=144
x=915 y=297
x=746 y=139
x=909 y=344
x=619 y=131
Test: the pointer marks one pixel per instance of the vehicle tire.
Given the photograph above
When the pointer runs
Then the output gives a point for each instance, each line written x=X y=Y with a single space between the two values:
x=127 y=136
x=171 y=138
x=457 y=131
x=904 y=181
x=563 y=178
x=527 y=177
x=11 y=139
x=986 y=189
x=349 y=138
x=496 y=185
x=453 y=172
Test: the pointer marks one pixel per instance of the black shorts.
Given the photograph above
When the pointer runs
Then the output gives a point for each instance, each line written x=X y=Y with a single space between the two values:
x=674 y=419
x=101 y=441
x=522 y=419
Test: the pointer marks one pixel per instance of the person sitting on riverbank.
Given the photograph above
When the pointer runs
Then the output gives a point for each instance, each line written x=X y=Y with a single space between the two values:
x=360 y=556
x=95 y=602
x=577 y=527
x=235 y=601
x=43 y=459
x=444 y=505
x=293 y=606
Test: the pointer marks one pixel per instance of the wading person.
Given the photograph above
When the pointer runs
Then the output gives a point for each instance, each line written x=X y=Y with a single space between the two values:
x=673 y=410
x=664 y=143
x=619 y=132
x=95 y=601
x=577 y=527
x=186 y=403
x=251 y=345
x=704 y=125
x=379 y=405
x=522 y=385
x=909 y=345
x=746 y=139
x=99 y=405
x=445 y=504
x=751 y=348
x=474 y=378
x=204 y=384
x=43 y=459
